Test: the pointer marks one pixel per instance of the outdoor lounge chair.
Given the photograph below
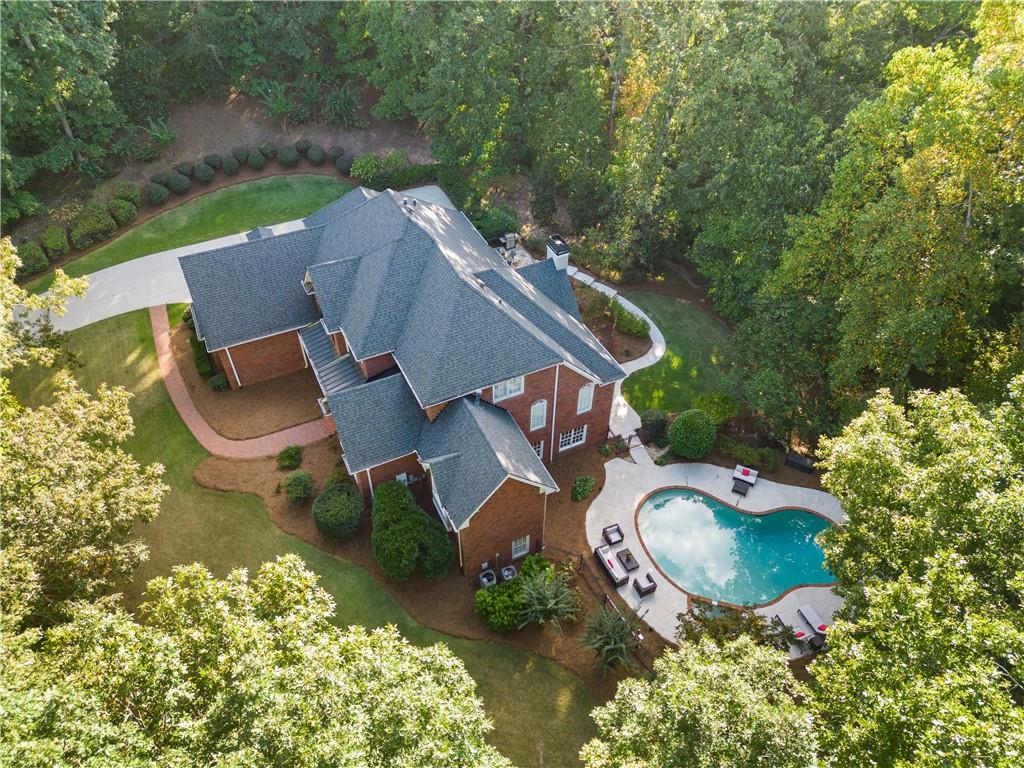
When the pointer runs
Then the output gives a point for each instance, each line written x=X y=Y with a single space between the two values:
x=741 y=487
x=803 y=638
x=612 y=567
x=811 y=617
x=612 y=534
x=802 y=463
x=645 y=587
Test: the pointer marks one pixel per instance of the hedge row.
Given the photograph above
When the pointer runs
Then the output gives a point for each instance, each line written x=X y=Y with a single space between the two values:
x=404 y=536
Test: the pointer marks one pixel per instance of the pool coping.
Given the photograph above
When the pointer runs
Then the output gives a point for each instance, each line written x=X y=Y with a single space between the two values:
x=760 y=513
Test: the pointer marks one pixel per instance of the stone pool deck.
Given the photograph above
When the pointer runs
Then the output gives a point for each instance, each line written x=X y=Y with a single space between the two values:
x=627 y=484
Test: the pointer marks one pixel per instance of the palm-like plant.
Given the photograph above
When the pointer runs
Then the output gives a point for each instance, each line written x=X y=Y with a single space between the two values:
x=546 y=598
x=613 y=636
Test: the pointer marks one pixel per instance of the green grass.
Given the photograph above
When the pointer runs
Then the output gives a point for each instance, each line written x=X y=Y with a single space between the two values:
x=233 y=209
x=695 y=359
x=540 y=710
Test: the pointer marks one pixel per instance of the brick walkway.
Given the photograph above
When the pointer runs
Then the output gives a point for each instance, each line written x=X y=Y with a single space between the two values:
x=267 y=445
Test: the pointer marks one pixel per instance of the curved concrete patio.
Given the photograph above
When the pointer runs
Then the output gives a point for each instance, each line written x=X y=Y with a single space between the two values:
x=626 y=486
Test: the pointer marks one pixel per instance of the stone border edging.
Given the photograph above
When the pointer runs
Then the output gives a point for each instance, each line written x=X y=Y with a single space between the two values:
x=210 y=439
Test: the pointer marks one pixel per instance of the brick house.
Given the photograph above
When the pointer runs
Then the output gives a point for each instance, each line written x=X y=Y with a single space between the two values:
x=440 y=365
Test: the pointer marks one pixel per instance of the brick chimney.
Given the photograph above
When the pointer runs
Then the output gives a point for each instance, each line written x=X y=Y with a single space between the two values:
x=558 y=251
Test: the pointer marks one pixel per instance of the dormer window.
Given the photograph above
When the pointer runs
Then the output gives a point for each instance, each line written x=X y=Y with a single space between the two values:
x=307 y=284
x=503 y=390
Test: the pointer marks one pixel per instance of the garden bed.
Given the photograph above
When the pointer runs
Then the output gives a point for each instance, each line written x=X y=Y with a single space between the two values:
x=251 y=411
x=623 y=346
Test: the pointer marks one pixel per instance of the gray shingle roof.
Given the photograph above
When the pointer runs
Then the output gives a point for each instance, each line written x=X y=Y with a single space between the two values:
x=253 y=289
x=376 y=421
x=346 y=202
x=333 y=372
x=553 y=283
x=472 y=447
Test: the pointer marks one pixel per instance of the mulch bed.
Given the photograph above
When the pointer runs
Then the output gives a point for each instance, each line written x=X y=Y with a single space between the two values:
x=622 y=346
x=254 y=410
x=445 y=605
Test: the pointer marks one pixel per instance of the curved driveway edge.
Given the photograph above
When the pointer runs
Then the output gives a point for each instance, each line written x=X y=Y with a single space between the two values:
x=625 y=487
x=212 y=441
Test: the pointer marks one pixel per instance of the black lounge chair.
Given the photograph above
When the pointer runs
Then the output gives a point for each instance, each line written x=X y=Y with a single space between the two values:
x=645 y=587
x=803 y=463
x=612 y=534
x=741 y=487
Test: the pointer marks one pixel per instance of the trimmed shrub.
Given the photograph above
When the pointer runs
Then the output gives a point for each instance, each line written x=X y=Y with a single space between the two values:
x=186 y=318
x=230 y=165
x=125 y=190
x=582 y=487
x=298 y=486
x=337 y=477
x=33 y=260
x=404 y=535
x=156 y=194
x=213 y=160
x=55 y=242
x=344 y=164
x=499 y=606
x=241 y=154
x=718 y=405
x=268 y=149
x=256 y=161
x=180 y=184
x=391 y=502
x=203 y=365
x=219 y=383
x=163 y=179
x=338 y=511
x=302 y=146
x=627 y=322
x=92 y=225
x=759 y=458
x=185 y=169
x=692 y=434
x=123 y=211
x=654 y=423
x=435 y=550
x=495 y=222
x=396 y=548
x=204 y=173
x=375 y=171
x=290 y=457
x=316 y=155
x=334 y=152
x=288 y=157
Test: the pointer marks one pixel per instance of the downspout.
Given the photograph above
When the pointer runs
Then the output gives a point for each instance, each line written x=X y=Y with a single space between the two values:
x=554 y=414
x=544 y=521
x=234 y=370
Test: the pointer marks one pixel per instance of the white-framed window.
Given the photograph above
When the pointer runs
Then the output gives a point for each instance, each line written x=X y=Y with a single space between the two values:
x=538 y=415
x=538 y=448
x=585 y=401
x=503 y=390
x=520 y=547
x=572 y=437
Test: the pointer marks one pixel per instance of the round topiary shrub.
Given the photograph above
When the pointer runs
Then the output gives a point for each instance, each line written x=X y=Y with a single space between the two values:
x=302 y=145
x=123 y=211
x=219 y=383
x=185 y=169
x=180 y=184
x=334 y=152
x=692 y=434
x=163 y=179
x=213 y=160
x=288 y=157
x=33 y=260
x=298 y=486
x=499 y=606
x=241 y=154
x=156 y=194
x=93 y=224
x=125 y=190
x=256 y=161
x=344 y=164
x=268 y=149
x=316 y=155
x=290 y=457
x=205 y=173
x=338 y=511
x=230 y=165
x=55 y=242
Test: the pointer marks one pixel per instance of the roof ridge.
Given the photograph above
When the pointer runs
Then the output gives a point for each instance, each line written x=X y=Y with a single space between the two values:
x=252 y=244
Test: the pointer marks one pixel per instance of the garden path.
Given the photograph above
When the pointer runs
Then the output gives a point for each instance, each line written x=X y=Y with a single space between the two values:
x=266 y=445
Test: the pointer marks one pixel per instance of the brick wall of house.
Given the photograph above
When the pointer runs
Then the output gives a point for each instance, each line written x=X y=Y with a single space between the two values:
x=516 y=509
x=263 y=359
x=339 y=343
x=596 y=419
x=409 y=465
x=371 y=366
x=536 y=386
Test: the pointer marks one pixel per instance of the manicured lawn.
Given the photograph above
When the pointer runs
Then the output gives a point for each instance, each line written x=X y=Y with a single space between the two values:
x=540 y=710
x=695 y=360
x=234 y=209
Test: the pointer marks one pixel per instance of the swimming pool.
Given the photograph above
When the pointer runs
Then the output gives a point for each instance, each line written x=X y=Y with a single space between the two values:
x=715 y=551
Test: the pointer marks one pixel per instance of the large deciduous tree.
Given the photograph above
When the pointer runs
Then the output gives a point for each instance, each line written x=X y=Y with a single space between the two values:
x=243 y=672
x=706 y=705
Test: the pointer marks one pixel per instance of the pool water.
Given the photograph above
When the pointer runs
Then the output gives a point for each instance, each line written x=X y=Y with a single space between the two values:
x=713 y=550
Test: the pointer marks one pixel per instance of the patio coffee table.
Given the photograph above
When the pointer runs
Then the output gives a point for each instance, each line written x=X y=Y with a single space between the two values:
x=628 y=561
